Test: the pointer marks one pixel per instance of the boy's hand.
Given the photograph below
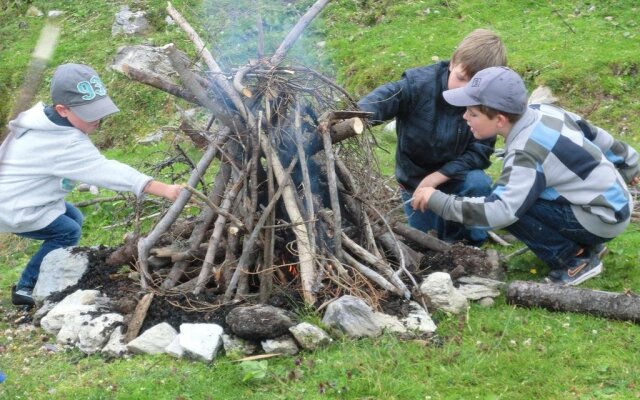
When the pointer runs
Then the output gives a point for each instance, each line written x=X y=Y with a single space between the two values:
x=421 y=198
x=635 y=181
x=169 y=192
x=172 y=192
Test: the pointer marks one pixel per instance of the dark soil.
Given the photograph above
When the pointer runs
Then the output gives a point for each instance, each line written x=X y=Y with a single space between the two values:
x=115 y=283
x=459 y=260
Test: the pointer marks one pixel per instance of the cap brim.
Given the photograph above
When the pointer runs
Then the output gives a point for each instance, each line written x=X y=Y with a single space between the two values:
x=459 y=98
x=95 y=110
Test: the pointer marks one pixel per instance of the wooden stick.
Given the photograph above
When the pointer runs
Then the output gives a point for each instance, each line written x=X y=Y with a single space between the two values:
x=371 y=274
x=157 y=81
x=139 y=314
x=333 y=192
x=266 y=276
x=369 y=258
x=308 y=195
x=297 y=30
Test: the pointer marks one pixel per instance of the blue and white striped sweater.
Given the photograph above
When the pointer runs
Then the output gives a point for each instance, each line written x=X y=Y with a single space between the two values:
x=554 y=155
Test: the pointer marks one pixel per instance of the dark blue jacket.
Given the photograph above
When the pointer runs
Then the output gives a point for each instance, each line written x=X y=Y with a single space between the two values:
x=432 y=135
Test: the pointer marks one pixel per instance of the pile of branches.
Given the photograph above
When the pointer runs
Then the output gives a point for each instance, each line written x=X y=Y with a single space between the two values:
x=297 y=198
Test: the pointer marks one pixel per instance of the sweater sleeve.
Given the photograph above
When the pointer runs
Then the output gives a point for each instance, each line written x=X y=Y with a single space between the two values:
x=517 y=188
x=81 y=161
x=386 y=101
x=623 y=156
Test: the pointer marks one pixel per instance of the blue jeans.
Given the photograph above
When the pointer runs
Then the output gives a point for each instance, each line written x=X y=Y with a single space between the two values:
x=62 y=232
x=552 y=232
x=476 y=184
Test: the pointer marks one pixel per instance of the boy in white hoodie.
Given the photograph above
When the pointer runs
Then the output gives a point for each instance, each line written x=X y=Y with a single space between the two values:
x=46 y=152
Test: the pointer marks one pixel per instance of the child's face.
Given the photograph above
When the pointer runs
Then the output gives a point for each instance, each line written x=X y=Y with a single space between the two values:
x=482 y=126
x=84 y=126
x=457 y=77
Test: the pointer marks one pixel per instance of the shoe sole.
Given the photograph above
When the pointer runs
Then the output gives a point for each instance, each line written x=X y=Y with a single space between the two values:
x=597 y=270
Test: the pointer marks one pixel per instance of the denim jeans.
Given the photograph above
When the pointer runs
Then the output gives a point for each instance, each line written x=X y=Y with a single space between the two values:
x=476 y=184
x=552 y=232
x=62 y=232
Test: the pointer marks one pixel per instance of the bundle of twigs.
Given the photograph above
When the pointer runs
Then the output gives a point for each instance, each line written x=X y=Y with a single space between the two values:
x=297 y=198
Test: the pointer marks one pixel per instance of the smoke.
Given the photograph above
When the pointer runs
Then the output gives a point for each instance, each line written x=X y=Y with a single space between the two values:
x=236 y=38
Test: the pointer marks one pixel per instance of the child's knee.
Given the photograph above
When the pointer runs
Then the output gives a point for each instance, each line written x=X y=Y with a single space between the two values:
x=477 y=183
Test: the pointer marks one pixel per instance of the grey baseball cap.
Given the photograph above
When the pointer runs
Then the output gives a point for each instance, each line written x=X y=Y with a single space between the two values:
x=500 y=88
x=79 y=87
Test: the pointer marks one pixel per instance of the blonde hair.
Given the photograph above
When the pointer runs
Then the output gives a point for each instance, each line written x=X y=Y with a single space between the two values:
x=480 y=49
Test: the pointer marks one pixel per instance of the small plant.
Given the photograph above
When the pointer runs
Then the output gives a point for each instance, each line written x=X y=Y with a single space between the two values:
x=254 y=370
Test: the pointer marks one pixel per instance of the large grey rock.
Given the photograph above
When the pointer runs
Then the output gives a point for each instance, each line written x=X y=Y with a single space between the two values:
x=259 y=322
x=71 y=325
x=438 y=288
x=477 y=292
x=352 y=316
x=149 y=59
x=60 y=269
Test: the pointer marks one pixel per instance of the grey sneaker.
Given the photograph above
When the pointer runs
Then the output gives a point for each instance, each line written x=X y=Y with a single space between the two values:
x=600 y=250
x=581 y=269
x=22 y=296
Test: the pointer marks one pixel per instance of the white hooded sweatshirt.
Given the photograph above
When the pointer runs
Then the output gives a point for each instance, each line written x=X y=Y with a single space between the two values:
x=40 y=162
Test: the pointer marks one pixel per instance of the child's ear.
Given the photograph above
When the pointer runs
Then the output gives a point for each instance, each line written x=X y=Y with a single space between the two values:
x=62 y=110
x=502 y=120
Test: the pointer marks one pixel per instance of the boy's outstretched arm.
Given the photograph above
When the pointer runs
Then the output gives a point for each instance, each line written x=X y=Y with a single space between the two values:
x=169 y=192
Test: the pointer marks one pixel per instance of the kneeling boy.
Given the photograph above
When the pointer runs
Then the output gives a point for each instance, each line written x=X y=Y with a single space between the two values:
x=563 y=186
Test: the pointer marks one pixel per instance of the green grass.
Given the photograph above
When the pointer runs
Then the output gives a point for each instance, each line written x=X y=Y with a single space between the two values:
x=585 y=51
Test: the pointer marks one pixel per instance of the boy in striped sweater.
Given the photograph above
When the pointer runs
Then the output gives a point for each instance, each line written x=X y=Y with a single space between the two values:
x=563 y=186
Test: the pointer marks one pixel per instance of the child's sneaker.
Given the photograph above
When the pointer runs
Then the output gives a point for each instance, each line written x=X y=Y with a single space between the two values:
x=22 y=296
x=600 y=250
x=582 y=268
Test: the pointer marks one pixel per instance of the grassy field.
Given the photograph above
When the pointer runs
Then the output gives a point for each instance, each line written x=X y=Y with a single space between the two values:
x=585 y=51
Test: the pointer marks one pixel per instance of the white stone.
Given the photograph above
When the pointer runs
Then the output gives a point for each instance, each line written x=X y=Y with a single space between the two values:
x=201 y=341
x=79 y=302
x=115 y=347
x=389 y=323
x=154 y=340
x=174 y=348
x=72 y=322
x=93 y=336
x=418 y=319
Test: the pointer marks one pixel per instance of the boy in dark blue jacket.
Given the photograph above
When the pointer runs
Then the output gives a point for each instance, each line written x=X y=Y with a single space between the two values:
x=435 y=147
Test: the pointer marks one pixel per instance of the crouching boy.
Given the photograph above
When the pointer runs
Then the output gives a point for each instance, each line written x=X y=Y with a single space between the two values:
x=563 y=186
x=46 y=152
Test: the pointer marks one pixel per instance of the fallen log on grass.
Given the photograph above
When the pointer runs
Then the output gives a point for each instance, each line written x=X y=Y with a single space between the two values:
x=623 y=306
